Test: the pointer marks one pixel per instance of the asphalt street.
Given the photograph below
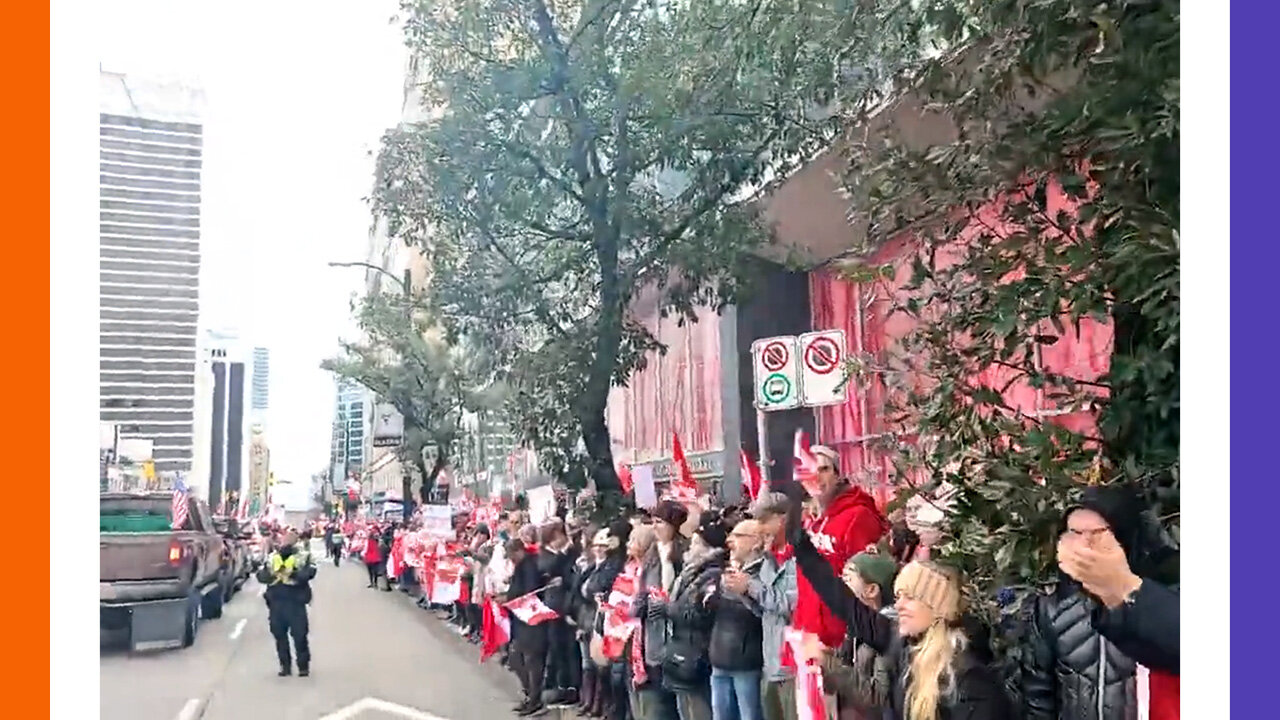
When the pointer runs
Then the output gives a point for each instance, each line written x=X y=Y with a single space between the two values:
x=375 y=656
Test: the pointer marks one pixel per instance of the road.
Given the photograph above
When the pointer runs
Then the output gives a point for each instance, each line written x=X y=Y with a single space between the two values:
x=375 y=656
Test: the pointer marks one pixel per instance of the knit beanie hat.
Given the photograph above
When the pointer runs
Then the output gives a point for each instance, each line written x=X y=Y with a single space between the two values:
x=932 y=586
x=873 y=568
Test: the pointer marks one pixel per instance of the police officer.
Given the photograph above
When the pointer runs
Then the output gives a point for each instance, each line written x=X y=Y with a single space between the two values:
x=287 y=574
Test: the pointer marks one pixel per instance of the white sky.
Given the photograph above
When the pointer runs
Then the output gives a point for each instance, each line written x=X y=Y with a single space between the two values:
x=298 y=94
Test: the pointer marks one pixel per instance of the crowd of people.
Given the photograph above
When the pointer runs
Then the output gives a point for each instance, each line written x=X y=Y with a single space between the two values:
x=748 y=613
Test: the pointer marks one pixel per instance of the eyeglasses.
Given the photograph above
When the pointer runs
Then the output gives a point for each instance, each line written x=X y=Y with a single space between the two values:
x=1087 y=532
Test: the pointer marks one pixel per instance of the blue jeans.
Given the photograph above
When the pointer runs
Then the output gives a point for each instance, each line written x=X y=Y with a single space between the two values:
x=735 y=695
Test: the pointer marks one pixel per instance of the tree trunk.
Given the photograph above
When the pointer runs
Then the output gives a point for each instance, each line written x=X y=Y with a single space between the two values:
x=595 y=397
x=406 y=492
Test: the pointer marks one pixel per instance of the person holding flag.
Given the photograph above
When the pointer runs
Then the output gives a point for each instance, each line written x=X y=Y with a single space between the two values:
x=528 y=641
x=286 y=574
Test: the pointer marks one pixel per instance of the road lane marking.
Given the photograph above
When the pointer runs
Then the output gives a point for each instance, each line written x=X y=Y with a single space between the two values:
x=360 y=706
x=191 y=710
x=239 y=628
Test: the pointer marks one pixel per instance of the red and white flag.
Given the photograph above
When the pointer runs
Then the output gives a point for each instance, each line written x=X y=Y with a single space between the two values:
x=804 y=466
x=495 y=628
x=530 y=610
x=751 y=482
x=446 y=585
x=685 y=477
x=810 y=695
x=618 y=623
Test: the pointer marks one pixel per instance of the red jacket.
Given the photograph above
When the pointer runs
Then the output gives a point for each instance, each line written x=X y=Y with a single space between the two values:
x=849 y=524
x=372 y=553
x=1166 y=696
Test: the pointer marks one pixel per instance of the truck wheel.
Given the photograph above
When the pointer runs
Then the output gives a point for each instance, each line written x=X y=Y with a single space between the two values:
x=192 y=625
x=211 y=603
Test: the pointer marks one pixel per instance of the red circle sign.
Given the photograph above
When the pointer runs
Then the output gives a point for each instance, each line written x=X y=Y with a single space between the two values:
x=822 y=356
x=774 y=356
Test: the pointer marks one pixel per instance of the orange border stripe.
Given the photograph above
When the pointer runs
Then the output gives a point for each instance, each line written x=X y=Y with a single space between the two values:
x=24 y=364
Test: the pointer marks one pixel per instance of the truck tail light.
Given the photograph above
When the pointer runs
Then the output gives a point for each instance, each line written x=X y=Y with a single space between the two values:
x=175 y=553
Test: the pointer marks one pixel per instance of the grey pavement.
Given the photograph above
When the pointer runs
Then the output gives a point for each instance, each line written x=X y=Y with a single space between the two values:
x=375 y=656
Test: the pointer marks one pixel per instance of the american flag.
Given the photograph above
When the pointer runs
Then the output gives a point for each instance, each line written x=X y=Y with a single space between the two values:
x=179 y=507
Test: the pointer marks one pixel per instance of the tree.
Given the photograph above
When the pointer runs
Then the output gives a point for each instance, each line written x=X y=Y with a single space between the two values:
x=579 y=153
x=406 y=360
x=1042 y=95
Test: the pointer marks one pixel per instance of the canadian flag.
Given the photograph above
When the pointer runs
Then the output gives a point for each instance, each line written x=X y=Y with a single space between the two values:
x=446 y=584
x=804 y=467
x=618 y=623
x=530 y=610
x=798 y=651
x=751 y=482
x=685 y=479
x=495 y=628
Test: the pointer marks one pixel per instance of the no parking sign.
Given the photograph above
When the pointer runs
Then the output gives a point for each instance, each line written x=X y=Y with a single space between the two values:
x=776 y=372
x=822 y=373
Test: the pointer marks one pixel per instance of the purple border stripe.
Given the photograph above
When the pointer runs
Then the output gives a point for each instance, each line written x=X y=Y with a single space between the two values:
x=1255 y=255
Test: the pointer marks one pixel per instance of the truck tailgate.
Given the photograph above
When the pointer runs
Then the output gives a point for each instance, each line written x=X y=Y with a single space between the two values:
x=137 y=556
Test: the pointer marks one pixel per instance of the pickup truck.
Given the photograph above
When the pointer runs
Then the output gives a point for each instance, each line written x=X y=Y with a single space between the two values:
x=156 y=581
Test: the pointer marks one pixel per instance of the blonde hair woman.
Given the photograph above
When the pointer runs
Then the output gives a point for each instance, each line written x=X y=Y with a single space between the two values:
x=942 y=672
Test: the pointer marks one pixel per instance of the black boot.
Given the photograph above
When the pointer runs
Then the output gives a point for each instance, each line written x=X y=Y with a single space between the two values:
x=285 y=671
x=589 y=679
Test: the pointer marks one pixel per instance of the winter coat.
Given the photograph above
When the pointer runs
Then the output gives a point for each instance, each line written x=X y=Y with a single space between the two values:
x=978 y=693
x=1070 y=670
x=774 y=593
x=689 y=620
x=654 y=630
x=1147 y=629
x=558 y=564
x=372 y=550
x=737 y=637
x=597 y=579
x=526 y=577
x=849 y=524
x=861 y=677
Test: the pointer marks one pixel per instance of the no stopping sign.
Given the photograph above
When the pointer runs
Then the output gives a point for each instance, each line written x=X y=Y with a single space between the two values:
x=822 y=356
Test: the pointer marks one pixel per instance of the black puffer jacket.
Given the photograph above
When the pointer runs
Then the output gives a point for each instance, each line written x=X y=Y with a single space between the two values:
x=1072 y=671
x=685 y=662
x=737 y=638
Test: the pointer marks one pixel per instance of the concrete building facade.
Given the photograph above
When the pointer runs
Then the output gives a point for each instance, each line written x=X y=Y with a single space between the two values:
x=150 y=162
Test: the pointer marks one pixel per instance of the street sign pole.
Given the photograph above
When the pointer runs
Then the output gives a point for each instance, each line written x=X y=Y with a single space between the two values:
x=762 y=442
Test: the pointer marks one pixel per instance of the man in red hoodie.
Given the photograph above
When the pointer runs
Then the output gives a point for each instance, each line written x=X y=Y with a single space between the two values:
x=848 y=523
